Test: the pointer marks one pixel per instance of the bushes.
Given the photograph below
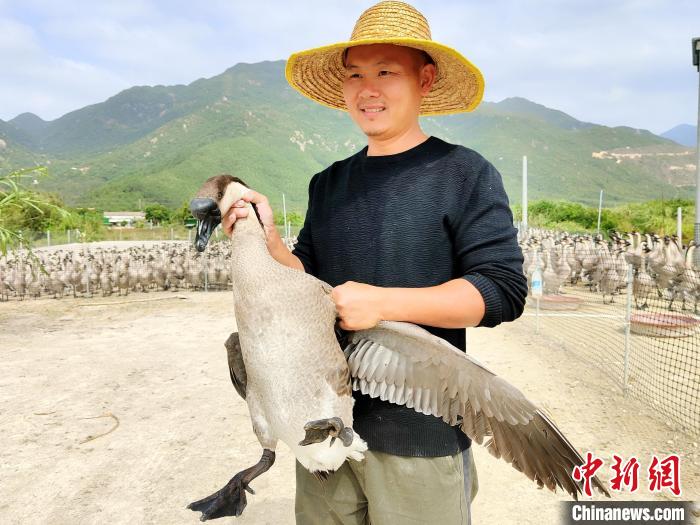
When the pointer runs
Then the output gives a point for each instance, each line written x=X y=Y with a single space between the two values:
x=293 y=218
x=21 y=208
x=652 y=216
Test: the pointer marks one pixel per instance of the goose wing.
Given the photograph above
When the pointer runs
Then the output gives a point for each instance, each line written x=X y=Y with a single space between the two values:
x=407 y=365
x=236 y=366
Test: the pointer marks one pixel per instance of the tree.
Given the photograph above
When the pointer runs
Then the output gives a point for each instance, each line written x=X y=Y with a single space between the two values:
x=22 y=208
x=157 y=213
x=183 y=214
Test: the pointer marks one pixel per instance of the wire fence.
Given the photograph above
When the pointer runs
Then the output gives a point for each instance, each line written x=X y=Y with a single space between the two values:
x=114 y=267
x=628 y=306
x=629 y=310
x=49 y=238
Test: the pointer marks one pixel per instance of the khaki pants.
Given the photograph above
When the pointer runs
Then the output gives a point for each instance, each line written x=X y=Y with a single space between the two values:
x=388 y=490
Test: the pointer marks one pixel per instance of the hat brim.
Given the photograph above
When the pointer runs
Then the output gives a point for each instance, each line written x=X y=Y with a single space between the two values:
x=318 y=74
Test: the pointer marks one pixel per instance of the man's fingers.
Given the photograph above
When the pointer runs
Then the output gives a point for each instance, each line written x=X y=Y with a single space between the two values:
x=228 y=220
x=227 y=224
x=262 y=206
x=233 y=214
x=254 y=197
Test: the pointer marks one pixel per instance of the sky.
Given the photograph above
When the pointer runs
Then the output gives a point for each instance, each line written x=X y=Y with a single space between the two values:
x=617 y=63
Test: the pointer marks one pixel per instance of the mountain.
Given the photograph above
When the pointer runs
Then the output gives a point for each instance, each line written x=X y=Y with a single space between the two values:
x=525 y=108
x=683 y=134
x=157 y=144
x=29 y=123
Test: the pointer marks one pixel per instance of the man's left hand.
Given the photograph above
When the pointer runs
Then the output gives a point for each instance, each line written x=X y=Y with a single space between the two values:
x=358 y=305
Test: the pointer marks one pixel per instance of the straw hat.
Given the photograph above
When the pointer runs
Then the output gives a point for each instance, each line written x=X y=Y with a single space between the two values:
x=318 y=73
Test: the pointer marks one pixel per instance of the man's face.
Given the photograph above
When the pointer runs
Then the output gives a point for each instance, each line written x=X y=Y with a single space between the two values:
x=384 y=86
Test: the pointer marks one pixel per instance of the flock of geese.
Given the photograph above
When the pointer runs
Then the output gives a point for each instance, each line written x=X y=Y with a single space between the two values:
x=105 y=271
x=663 y=269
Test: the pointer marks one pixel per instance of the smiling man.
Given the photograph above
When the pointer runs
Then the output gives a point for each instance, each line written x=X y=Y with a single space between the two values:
x=410 y=228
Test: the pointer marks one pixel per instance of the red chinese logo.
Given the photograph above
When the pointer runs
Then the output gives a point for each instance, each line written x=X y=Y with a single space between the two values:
x=587 y=471
x=627 y=475
x=665 y=473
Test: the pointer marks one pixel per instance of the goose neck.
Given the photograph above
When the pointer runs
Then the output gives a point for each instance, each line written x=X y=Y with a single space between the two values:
x=251 y=261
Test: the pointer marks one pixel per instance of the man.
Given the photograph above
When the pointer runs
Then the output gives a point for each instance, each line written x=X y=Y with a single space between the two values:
x=410 y=228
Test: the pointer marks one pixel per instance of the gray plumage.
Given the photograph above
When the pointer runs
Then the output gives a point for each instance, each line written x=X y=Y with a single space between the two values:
x=286 y=324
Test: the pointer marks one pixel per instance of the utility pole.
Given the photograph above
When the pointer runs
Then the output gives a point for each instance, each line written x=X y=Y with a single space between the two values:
x=284 y=208
x=696 y=63
x=524 y=198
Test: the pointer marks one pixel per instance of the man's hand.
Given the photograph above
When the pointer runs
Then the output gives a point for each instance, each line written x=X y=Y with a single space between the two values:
x=240 y=210
x=454 y=304
x=359 y=305
x=275 y=246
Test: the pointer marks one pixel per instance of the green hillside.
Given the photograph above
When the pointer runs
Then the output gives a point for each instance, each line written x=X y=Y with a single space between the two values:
x=157 y=144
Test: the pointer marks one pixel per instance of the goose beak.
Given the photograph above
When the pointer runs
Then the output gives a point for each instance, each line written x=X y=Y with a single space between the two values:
x=208 y=217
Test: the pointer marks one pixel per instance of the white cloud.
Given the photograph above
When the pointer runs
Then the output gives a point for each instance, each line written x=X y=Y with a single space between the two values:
x=617 y=63
x=580 y=56
x=47 y=85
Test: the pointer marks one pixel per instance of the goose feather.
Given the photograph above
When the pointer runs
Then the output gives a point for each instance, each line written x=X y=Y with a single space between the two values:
x=488 y=406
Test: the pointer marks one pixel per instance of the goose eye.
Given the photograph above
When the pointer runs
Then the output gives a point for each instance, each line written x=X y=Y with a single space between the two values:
x=219 y=195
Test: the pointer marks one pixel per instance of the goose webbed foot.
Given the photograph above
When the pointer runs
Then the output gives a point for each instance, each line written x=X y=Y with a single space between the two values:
x=319 y=430
x=231 y=500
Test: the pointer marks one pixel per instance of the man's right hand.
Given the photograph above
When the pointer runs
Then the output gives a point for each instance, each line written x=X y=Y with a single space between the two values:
x=276 y=247
x=240 y=210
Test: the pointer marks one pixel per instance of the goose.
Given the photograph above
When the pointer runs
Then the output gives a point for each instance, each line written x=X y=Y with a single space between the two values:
x=643 y=285
x=132 y=274
x=160 y=273
x=551 y=280
x=194 y=274
x=74 y=277
x=92 y=269
x=106 y=280
x=177 y=272
x=298 y=379
x=635 y=254
x=5 y=287
x=564 y=271
x=689 y=285
x=84 y=286
x=123 y=276
x=144 y=275
x=19 y=281
x=609 y=282
x=34 y=286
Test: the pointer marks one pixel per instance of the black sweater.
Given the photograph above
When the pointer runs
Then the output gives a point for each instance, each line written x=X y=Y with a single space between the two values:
x=415 y=219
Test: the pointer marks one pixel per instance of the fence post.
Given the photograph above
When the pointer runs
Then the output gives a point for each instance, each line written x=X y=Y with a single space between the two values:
x=68 y=235
x=628 y=316
x=536 y=290
x=206 y=270
x=48 y=238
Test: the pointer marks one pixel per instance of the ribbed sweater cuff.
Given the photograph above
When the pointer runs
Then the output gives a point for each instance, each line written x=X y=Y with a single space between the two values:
x=492 y=299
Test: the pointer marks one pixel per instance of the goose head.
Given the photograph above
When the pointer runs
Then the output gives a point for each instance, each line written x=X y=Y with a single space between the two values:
x=214 y=198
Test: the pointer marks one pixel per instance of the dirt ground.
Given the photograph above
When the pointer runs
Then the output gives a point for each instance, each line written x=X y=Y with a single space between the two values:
x=121 y=410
